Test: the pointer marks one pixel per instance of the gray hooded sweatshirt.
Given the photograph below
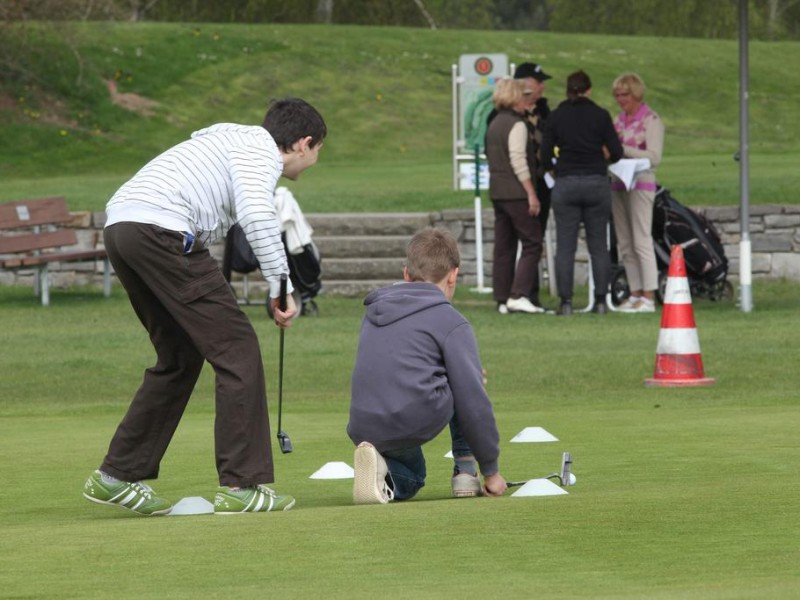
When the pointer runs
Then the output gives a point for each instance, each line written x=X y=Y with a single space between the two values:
x=417 y=365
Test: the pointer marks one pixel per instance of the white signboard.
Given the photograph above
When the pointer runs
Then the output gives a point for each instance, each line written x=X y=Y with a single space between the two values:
x=466 y=176
x=477 y=74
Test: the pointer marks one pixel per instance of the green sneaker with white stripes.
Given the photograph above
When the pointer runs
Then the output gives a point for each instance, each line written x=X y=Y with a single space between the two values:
x=251 y=499
x=137 y=496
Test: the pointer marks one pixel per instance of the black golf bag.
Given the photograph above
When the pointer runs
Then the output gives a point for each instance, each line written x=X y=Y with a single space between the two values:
x=305 y=268
x=706 y=264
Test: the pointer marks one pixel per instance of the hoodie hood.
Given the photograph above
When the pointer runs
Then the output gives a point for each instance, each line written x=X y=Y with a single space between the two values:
x=390 y=304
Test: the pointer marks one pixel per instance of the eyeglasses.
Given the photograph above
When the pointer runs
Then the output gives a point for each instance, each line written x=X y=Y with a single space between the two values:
x=621 y=94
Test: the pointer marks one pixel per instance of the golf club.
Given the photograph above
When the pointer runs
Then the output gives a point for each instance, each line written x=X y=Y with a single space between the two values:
x=565 y=476
x=283 y=438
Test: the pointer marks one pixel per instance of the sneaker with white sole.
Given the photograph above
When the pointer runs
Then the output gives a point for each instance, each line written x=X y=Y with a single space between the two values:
x=630 y=304
x=638 y=305
x=369 y=481
x=502 y=309
x=249 y=500
x=134 y=496
x=465 y=485
x=644 y=307
x=523 y=305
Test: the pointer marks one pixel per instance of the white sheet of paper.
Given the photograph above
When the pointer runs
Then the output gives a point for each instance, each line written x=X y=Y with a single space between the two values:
x=628 y=168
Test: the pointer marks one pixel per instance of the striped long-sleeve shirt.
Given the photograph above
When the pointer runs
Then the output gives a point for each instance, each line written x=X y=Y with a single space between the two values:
x=224 y=174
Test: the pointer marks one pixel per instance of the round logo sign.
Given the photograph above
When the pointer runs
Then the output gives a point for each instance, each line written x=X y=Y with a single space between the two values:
x=483 y=66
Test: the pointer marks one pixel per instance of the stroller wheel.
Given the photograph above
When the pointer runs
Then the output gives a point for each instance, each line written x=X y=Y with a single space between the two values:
x=662 y=286
x=723 y=291
x=619 y=286
x=310 y=309
x=728 y=292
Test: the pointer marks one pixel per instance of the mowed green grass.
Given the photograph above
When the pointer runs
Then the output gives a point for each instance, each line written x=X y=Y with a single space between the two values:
x=386 y=96
x=681 y=493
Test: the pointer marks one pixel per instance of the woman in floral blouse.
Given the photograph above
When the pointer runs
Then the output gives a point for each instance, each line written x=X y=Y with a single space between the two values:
x=641 y=132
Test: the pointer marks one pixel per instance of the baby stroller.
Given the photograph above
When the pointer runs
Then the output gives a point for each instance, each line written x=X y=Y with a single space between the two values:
x=706 y=264
x=305 y=264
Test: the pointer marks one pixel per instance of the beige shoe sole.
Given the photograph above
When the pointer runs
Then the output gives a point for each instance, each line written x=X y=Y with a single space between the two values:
x=367 y=489
x=466 y=486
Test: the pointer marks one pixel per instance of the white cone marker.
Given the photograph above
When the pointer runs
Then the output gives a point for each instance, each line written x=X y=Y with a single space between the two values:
x=539 y=487
x=534 y=434
x=193 y=505
x=333 y=470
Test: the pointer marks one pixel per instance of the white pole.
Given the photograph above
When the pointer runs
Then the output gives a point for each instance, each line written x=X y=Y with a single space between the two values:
x=479 y=243
x=745 y=265
x=454 y=70
x=479 y=225
x=551 y=255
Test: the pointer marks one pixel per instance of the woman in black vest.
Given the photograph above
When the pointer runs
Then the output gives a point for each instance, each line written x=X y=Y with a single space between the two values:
x=586 y=140
x=515 y=202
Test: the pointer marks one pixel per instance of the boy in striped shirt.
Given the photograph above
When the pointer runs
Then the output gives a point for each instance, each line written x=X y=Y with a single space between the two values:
x=158 y=227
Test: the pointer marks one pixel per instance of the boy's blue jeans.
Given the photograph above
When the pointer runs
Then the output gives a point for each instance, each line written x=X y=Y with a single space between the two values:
x=407 y=466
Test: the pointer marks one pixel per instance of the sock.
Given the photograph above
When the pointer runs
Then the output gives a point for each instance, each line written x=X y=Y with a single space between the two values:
x=108 y=478
x=647 y=301
x=465 y=464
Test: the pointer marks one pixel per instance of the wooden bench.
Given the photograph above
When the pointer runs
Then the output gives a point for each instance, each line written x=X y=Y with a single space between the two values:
x=33 y=234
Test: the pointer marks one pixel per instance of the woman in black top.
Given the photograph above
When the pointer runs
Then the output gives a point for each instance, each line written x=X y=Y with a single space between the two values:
x=586 y=141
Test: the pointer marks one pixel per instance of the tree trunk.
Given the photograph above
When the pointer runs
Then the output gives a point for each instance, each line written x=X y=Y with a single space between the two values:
x=325 y=11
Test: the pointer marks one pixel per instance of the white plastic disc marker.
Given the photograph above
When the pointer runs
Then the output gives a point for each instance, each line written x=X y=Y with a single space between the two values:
x=193 y=505
x=333 y=470
x=534 y=434
x=539 y=487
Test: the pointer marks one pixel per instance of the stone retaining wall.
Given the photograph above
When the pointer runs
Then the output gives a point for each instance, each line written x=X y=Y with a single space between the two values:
x=774 y=234
x=774 y=238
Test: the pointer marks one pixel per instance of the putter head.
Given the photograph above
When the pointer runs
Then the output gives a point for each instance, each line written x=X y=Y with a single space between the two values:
x=284 y=442
x=566 y=469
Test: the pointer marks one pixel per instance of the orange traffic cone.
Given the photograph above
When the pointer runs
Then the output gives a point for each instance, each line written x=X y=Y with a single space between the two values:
x=678 y=360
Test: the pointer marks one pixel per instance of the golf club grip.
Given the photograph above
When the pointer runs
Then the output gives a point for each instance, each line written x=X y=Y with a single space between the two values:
x=282 y=297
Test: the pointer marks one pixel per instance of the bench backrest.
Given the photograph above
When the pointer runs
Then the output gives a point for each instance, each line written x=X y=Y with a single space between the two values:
x=30 y=214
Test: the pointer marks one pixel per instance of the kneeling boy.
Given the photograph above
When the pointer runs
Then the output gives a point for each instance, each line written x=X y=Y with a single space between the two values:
x=417 y=370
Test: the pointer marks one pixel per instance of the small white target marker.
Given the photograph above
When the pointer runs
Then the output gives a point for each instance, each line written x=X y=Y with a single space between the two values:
x=333 y=470
x=193 y=505
x=534 y=434
x=539 y=487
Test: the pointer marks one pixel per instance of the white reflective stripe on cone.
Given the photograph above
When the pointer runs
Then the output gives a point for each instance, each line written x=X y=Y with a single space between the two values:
x=677 y=291
x=678 y=341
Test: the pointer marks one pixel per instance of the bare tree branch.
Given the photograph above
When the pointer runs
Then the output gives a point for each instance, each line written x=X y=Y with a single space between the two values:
x=425 y=13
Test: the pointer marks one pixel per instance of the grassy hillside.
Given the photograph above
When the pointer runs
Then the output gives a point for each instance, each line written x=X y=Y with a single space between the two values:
x=385 y=93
